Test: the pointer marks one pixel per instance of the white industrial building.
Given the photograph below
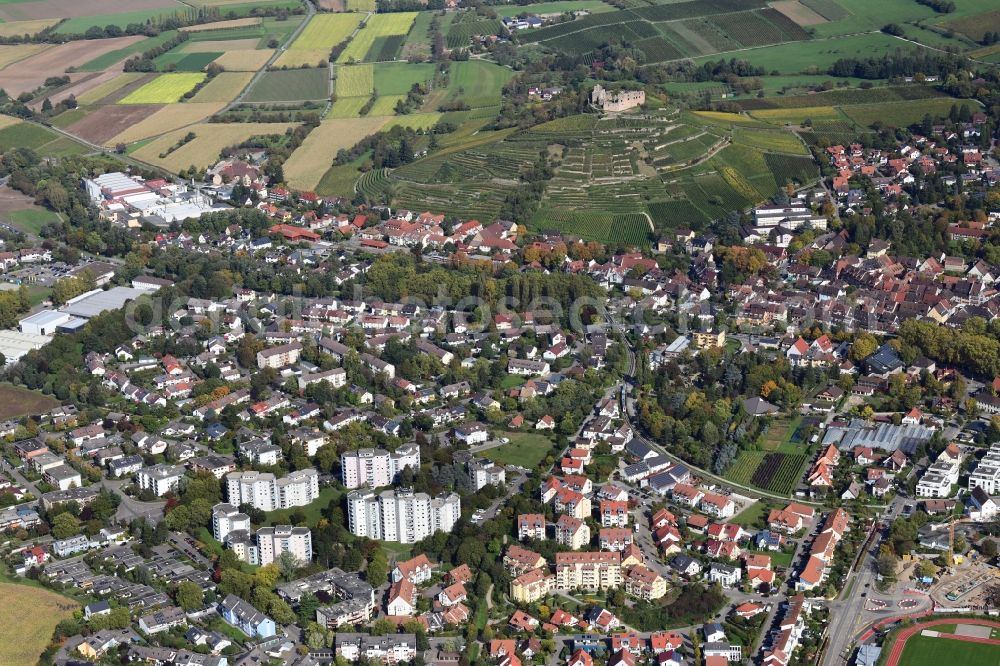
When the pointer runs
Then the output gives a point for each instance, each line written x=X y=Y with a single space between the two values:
x=401 y=515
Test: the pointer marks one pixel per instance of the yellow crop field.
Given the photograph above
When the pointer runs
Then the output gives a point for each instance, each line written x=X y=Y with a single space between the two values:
x=11 y=54
x=726 y=118
x=347 y=107
x=98 y=93
x=164 y=89
x=797 y=115
x=326 y=31
x=379 y=25
x=306 y=166
x=167 y=119
x=243 y=60
x=386 y=105
x=739 y=183
x=417 y=121
x=355 y=81
x=211 y=45
x=18 y=28
x=7 y=121
x=224 y=87
x=29 y=621
x=223 y=25
x=204 y=150
x=302 y=58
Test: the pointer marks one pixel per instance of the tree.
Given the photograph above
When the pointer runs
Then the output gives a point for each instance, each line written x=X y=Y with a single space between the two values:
x=988 y=547
x=288 y=564
x=267 y=576
x=65 y=525
x=886 y=566
x=927 y=569
x=190 y=596
x=378 y=569
x=864 y=346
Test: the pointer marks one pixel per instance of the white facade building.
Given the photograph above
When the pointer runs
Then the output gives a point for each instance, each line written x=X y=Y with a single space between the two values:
x=227 y=518
x=377 y=467
x=264 y=491
x=160 y=479
x=273 y=541
x=987 y=474
x=401 y=515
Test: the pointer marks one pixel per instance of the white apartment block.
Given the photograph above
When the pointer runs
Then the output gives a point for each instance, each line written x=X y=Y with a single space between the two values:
x=377 y=467
x=402 y=515
x=987 y=474
x=264 y=491
x=272 y=542
x=160 y=479
x=589 y=570
x=938 y=480
x=279 y=357
x=227 y=518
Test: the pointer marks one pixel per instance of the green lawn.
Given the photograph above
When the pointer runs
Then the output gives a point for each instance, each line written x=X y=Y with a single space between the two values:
x=32 y=220
x=526 y=449
x=512 y=381
x=313 y=512
x=927 y=651
x=749 y=516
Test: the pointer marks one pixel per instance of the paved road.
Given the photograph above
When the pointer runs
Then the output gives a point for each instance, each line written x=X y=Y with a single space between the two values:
x=130 y=508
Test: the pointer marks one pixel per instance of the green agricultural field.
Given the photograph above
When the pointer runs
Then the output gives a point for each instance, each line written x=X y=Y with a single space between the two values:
x=398 y=78
x=416 y=121
x=818 y=55
x=777 y=141
x=743 y=468
x=386 y=105
x=379 y=25
x=164 y=89
x=185 y=62
x=903 y=114
x=557 y=7
x=347 y=107
x=355 y=81
x=525 y=450
x=101 y=63
x=79 y=25
x=292 y=85
x=478 y=83
x=865 y=16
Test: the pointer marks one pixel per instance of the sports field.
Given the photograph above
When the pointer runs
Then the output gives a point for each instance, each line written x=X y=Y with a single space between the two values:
x=28 y=616
x=164 y=89
x=912 y=648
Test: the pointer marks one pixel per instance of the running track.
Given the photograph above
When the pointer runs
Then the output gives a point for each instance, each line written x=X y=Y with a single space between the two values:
x=904 y=635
